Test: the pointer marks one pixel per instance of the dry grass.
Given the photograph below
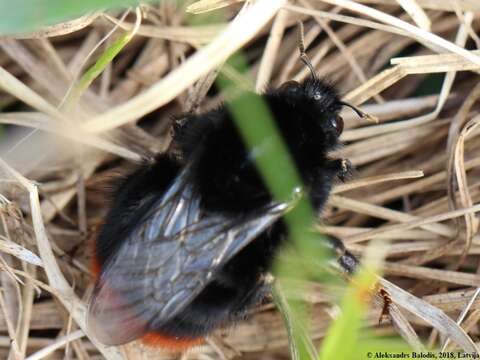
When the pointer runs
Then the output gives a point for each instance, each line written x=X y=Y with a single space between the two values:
x=417 y=181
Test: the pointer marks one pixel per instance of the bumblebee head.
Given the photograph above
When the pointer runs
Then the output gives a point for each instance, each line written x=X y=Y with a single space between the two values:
x=320 y=99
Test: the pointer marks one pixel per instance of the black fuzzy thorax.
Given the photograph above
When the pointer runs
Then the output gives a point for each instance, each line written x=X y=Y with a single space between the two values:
x=224 y=174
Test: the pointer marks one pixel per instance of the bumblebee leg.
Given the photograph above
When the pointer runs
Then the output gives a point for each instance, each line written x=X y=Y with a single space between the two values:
x=258 y=295
x=346 y=170
x=347 y=261
x=343 y=168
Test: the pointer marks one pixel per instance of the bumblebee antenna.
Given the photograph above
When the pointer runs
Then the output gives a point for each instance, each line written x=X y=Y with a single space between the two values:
x=354 y=108
x=303 y=54
x=359 y=112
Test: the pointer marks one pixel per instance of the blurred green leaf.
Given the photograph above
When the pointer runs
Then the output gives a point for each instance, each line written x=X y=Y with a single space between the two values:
x=27 y=15
x=254 y=121
x=347 y=337
x=343 y=333
x=294 y=315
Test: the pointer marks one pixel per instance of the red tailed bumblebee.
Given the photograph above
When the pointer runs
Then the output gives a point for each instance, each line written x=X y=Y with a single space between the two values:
x=189 y=238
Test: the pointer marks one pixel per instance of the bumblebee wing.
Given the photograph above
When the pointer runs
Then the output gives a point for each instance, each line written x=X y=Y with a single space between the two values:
x=166 y=262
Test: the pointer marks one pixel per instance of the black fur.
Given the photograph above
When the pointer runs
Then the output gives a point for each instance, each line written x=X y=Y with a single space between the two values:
x=225 y=176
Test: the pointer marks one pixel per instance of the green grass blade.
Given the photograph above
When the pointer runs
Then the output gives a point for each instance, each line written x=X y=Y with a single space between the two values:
x=343 y=333
x=294 y=317
x=28 y=15
x=346 y=335
x=93 y=72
